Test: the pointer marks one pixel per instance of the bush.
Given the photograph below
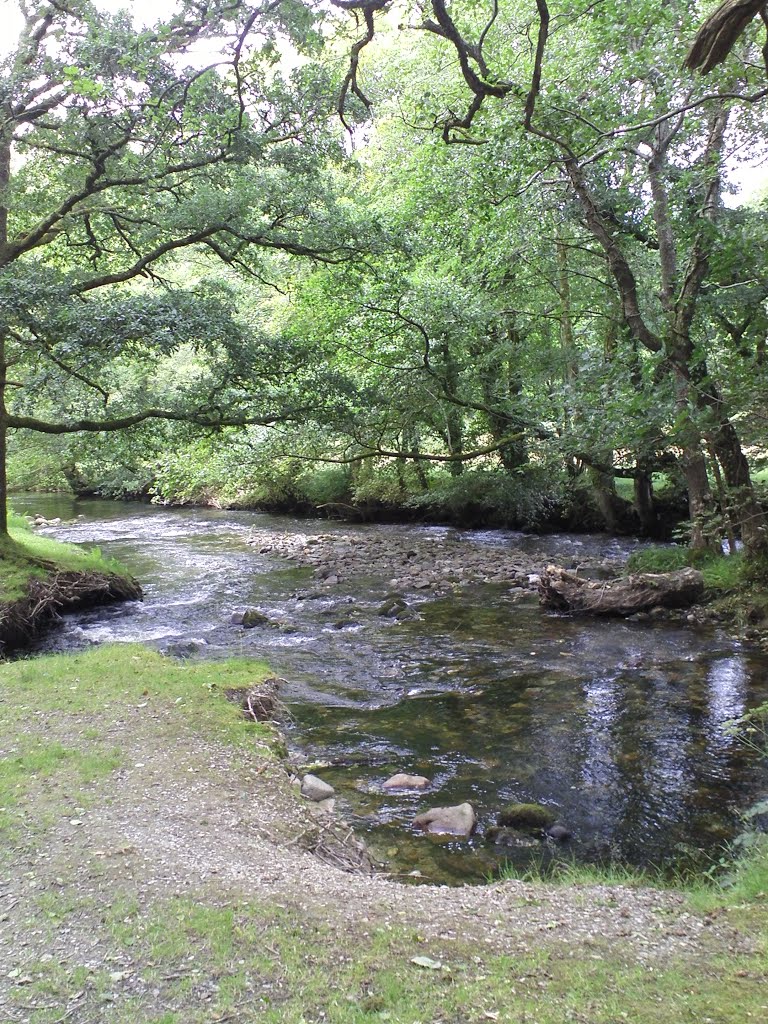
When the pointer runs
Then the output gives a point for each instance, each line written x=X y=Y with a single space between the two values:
x=536 y=498
x=327 y=486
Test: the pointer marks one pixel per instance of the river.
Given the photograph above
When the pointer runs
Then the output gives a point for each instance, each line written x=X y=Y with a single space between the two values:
x=619 y=726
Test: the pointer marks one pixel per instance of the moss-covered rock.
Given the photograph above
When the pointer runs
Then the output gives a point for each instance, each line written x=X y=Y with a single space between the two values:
x=529 y=817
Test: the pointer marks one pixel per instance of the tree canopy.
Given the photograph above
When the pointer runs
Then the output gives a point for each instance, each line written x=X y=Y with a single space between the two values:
x=397 y=236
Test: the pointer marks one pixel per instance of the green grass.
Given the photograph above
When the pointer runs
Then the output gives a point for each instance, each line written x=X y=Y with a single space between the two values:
x=92 y=682
x=721 y=574
x=23 y=552
x=568 y=872
x=252 y=961
x=78 y=691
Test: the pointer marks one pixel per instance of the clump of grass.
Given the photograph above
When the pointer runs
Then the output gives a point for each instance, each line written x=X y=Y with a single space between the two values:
x=659 y=559
x=568 y=873
x=722 y=573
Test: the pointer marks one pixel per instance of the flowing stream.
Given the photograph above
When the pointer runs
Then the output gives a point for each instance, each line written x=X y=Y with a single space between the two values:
x=619 y=726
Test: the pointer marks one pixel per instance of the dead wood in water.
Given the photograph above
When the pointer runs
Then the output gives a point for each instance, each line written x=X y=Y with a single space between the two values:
x=565 y=591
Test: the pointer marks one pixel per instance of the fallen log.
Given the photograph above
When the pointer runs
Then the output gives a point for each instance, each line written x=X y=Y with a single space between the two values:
x=565 y=591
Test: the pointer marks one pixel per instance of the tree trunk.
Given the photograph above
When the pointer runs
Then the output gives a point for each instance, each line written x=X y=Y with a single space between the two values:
x=694 y=468
x=748 y=515
x=5 y=177
x=566 y=591
x=3 y=451
x=643 y=501
x=453 y=433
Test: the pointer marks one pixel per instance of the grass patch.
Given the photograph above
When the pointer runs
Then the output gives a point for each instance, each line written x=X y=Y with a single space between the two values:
x=722 y=574
x=25 y=555
x=76 y=692
x=567 y=873
x=288 y=965
x=31 y=762
x=93 y=682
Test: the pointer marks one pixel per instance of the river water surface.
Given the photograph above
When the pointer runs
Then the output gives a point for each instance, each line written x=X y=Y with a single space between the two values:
x=618 y=726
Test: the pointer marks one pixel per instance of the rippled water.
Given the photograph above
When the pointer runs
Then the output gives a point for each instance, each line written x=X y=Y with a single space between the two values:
x=618 y=726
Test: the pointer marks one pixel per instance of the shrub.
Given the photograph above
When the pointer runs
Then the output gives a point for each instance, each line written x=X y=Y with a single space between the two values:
x=535 y=498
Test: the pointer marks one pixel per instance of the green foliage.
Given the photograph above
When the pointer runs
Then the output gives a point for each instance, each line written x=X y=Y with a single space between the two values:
x=532 y=499
x=326 y=486
x=659 y=559
x=723 y=574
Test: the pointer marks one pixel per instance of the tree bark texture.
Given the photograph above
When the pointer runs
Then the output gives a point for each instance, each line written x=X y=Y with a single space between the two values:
x=565 y=591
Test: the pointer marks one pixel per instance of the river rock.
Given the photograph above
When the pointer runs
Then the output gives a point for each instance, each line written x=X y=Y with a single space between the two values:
x=249 y=618
x=449 y=821
x=559 y=833
x=315 y=789
x=530 y=817
x=392 y=606
x=511 y=837
x=403 y=781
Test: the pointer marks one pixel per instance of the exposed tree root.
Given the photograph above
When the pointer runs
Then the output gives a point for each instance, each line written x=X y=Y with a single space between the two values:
x=61 y=591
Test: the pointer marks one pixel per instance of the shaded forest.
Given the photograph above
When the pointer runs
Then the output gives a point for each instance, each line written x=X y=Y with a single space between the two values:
x=482 y=262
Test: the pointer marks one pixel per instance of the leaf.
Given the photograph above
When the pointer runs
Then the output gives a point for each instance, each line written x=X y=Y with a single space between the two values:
x=428 y=962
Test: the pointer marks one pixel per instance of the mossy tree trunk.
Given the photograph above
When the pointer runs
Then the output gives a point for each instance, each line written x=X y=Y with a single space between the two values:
x=5 y=177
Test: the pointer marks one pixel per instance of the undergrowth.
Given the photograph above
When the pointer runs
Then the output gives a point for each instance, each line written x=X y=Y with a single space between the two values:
x=722 y=573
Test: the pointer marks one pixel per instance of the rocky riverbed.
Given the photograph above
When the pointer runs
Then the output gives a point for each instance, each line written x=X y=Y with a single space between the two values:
x=434 y=563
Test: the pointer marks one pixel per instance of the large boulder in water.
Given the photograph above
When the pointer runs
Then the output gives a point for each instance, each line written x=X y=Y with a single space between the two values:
x=529 y=817
x=448 y=821
x=315 y=789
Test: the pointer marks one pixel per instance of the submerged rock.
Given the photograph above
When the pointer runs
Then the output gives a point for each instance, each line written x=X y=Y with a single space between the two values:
x=403 y=781
x=450 y=821
x=559 y=833
x=392 y=606
x=315 y=789
x=500 y=836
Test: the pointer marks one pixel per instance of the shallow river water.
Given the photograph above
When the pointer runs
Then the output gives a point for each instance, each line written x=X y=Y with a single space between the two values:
x=618 y=726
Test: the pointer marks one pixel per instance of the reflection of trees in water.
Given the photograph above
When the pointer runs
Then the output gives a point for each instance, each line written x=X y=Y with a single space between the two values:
x=728 y=684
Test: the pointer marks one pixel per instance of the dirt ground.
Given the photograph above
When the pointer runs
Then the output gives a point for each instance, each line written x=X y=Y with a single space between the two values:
x=185 y=822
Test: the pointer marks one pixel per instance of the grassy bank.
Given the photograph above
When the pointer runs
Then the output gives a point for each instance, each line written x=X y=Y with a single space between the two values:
x=140 y=882
x=39 y=577
x=731 y=593
x=27 y=556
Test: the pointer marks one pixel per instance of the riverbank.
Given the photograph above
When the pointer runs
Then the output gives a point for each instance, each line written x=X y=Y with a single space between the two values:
x=157 y=866
x=40 y=578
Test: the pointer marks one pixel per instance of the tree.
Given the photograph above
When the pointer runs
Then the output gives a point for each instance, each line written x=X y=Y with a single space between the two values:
x=640 y=150
x=116 y=155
